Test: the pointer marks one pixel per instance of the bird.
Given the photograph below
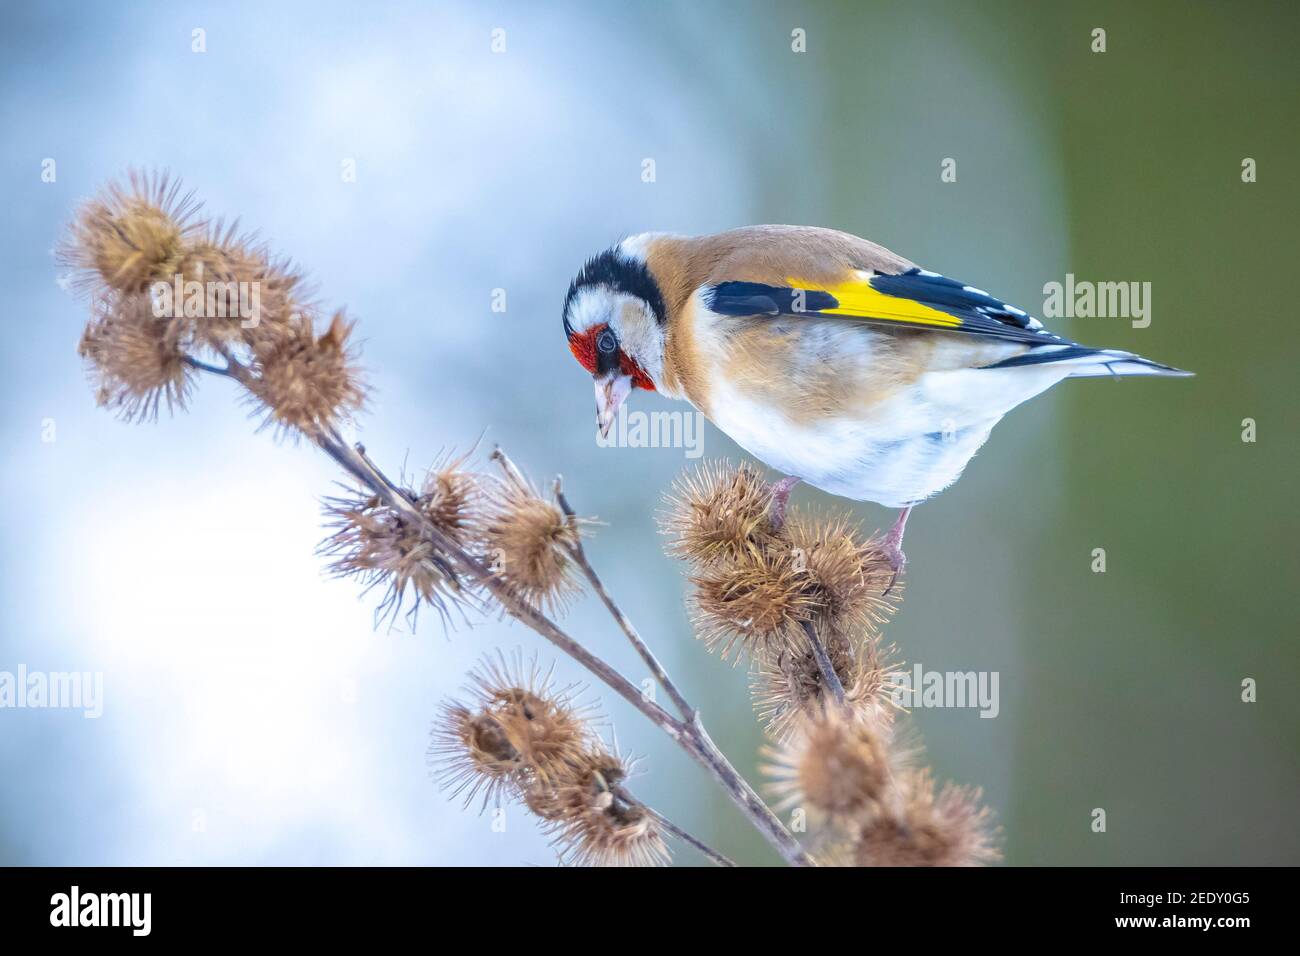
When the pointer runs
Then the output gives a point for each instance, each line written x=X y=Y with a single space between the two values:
x=826 y=356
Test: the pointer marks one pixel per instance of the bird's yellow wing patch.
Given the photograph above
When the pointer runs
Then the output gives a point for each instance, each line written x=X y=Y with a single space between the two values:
x=912 y=299
x=857 y=298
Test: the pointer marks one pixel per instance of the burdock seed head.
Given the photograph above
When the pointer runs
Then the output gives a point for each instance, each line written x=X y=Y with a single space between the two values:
x=756 y=601
x=846 y=574
x=518 y=731
x=925 y=828
x=836 y=765
x=718 y=514
x=582 y=785
x=787 y=682
x=541 y=720
x=131 y=235
x=594 y=821
x=453 y=498
x=527 y=542
x=222 y=256
x=471 y=753
x=377 y=545
x=135 y=358
x=307 y=383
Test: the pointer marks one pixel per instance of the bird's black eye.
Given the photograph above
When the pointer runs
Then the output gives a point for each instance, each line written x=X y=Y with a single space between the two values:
x=606 y=342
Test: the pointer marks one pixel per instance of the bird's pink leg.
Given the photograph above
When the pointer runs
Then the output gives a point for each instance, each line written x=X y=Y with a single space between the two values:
x=780 y=498
x=893 y=547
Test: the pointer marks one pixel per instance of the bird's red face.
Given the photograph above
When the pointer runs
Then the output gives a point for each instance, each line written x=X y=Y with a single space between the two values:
x=586 y=348
x=615 y=372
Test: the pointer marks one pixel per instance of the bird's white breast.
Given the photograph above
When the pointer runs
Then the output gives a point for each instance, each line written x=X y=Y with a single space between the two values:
x=901 y=446
x=900 y=458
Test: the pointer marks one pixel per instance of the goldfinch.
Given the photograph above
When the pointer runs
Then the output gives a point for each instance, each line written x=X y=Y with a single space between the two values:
x=826 y=356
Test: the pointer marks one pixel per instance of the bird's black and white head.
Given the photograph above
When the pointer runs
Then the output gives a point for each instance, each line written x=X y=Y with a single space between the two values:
x=614 y=317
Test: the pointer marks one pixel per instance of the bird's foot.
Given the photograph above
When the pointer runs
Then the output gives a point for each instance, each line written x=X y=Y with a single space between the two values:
x=897 y=561
x=892 y=547
x=780 y=498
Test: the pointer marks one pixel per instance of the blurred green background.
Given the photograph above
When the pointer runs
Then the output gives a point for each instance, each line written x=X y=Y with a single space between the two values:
x=1119 y=690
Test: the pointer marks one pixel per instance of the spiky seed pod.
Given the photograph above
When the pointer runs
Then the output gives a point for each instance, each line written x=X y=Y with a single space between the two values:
x=131 y=235
x=453 y=499
x=472 y=754
x=872 y=694
x=620 y=835
x=518 y=731
x=787 y=683
x=221 y=255
x=836 y=765
x=580 y=786
x=526 y=540
x=847 y=574
x=545 y=801
x=542 y=721
x=376 y=545
x=545 y=730
x=925 y=828
x=308 y=383
x=593 y=823
x=718 y=514
x=756 y=601
x=136 y=359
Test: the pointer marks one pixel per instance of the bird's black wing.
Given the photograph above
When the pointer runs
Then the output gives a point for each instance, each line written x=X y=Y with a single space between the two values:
x=911 y=299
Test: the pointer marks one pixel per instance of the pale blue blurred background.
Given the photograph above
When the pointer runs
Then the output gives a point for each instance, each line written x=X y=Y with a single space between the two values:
x=251 y=713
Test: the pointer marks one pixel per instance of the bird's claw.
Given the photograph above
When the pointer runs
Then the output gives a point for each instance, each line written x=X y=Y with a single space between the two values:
x=780 y=498
x=892 y=547
x=897 y=561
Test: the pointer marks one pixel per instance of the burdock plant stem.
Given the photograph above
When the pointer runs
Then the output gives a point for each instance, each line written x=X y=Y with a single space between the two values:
x=830 y=679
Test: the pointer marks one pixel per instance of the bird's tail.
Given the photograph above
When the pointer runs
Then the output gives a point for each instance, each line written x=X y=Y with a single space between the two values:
x=1086 y=362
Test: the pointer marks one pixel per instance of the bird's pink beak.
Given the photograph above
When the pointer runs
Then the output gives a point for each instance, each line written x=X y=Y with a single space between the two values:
x=611 y=391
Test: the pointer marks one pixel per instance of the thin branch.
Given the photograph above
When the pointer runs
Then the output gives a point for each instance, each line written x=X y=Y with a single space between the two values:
x=509 y=467
x=830 y=679
x=194 y=363
x=373 y=468
x=579 y=555
x=745 y=797
x=674 y=829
